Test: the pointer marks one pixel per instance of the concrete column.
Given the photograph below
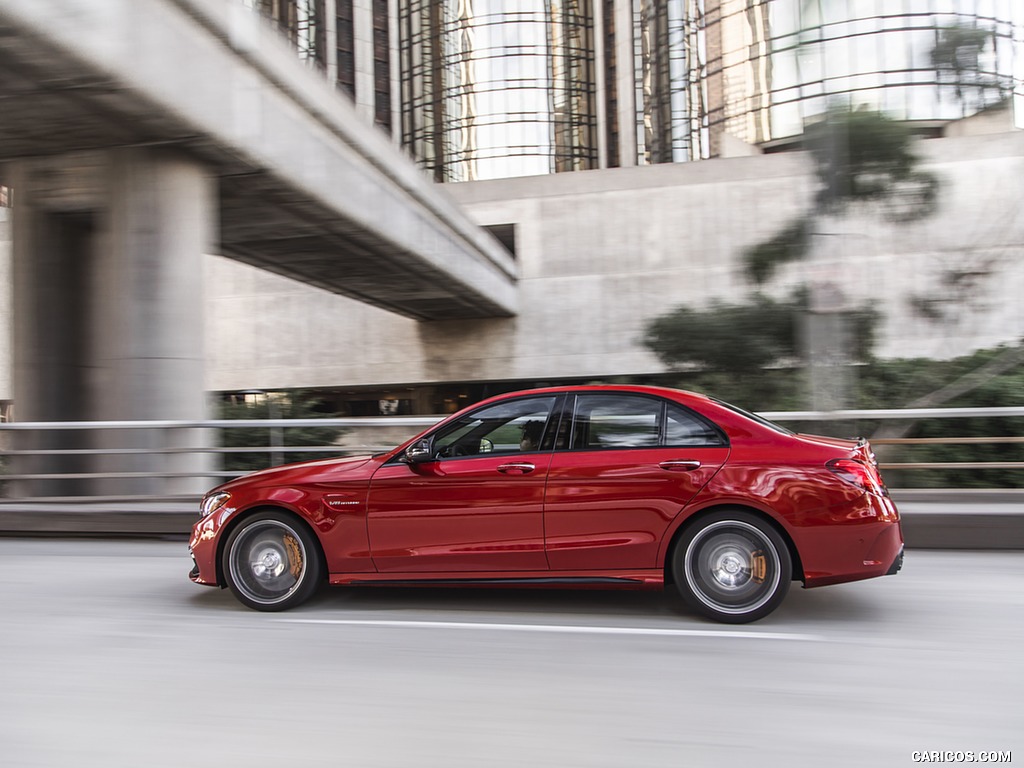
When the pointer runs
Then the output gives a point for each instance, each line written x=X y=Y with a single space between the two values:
x=600 y=68
x=5 y=303
x=828 y=337
x=51 y=280
x=330 y=22
x=108 y=280
x=149 y=354
x=362 y=23
x=626 y=82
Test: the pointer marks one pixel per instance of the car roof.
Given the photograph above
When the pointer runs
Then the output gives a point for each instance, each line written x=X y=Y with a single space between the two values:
x=644 y=389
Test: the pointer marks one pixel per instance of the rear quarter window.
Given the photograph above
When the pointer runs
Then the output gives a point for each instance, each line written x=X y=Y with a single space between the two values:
x=685 y=428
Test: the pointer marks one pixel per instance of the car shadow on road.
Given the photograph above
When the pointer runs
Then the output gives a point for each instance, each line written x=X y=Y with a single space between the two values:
x=554 y=601
x=835 y=606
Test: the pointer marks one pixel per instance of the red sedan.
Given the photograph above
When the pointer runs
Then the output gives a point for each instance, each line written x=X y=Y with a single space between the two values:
x=572 y=486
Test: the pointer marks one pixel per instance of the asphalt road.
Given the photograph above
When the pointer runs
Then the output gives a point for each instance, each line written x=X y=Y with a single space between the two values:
x=111 y=657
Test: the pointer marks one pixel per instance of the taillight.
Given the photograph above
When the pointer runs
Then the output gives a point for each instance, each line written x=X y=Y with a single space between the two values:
x=857 y=473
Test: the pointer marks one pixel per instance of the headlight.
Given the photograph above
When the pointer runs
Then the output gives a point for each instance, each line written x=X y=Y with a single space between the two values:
x=212 y=503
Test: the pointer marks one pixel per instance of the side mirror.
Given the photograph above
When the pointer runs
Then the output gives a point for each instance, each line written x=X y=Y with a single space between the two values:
x=418 y=452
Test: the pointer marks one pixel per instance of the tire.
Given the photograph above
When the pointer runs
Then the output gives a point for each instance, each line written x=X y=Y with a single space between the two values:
x=732 y=566
x=271 y=562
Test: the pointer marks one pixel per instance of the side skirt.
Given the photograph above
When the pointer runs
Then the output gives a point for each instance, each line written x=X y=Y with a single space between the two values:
x=575 y=580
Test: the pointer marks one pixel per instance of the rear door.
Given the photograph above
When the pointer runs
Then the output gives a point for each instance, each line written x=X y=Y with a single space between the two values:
x=630 y=464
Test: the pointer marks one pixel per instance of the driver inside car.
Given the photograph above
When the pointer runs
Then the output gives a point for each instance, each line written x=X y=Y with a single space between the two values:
x=530 y=440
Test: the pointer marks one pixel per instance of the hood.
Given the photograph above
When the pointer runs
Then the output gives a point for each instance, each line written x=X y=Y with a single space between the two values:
x=317 y=469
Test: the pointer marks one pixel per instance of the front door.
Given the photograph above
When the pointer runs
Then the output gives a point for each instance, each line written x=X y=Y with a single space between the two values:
x=477 y=505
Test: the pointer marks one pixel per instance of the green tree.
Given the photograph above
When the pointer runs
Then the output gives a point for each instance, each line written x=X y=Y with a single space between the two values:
x=749 y=353
x=296 y=404
x=860 y=157
x=864 y=156
x=957 y=58
x=986 y=378
x=733 y=338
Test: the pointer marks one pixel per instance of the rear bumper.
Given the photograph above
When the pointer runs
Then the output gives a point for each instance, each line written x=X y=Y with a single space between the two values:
x=897 y=564
x=862 y=540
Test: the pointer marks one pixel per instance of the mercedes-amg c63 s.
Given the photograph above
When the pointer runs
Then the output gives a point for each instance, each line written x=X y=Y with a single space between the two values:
x=602 y=486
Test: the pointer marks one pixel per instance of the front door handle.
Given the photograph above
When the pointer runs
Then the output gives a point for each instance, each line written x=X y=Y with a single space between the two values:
x=517 y=468
x=680 y=465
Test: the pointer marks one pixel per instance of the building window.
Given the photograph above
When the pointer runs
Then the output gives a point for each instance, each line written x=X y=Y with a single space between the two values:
x=345 y=47
x=611 y=84
x=302 y=22
x=505 y=234
x=381 y=65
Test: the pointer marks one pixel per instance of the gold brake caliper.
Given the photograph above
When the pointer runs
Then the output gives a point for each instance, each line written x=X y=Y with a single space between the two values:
x=758 y=566
x=294 y=556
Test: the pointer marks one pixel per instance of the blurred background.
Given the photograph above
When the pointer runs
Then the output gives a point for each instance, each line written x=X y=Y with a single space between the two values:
x=281 y=209
x=235 y=233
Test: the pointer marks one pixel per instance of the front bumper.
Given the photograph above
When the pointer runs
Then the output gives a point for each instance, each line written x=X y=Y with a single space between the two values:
x=202 y=548
x=194 y=575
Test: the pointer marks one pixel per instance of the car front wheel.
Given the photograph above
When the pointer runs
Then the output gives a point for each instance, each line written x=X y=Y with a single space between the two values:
x=271 y=562
x=732 y=566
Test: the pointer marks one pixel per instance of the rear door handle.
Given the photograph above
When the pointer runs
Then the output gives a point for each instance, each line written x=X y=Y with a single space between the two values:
x=680 y=465
x=517 y=468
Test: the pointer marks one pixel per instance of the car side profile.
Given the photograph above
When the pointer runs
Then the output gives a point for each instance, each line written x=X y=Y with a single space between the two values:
x=598 y=486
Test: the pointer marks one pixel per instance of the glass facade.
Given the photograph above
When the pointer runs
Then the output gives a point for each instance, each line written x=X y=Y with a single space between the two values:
x=669 y=53
x=778 y=64
x=498 y=88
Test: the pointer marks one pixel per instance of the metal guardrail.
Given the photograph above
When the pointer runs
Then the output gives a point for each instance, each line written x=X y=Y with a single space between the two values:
x=194 y=440
x=917 y=414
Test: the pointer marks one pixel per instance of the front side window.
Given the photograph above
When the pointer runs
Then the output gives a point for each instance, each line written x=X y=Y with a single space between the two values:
x=510 y=427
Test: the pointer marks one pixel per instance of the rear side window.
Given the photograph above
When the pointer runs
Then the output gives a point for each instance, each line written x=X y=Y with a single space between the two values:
x=616 y=421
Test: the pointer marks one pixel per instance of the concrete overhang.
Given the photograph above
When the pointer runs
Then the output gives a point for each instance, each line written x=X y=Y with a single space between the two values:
x=307 y=189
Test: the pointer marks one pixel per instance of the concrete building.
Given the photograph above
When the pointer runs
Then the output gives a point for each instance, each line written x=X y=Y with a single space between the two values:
x=571 y=130
x=627 y=152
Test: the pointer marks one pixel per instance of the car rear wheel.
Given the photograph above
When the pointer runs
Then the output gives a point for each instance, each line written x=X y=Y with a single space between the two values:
x=272 y=562
x=732 y=566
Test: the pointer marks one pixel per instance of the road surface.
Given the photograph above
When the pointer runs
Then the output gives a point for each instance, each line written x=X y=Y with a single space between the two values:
x=111 y=657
